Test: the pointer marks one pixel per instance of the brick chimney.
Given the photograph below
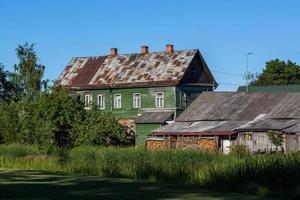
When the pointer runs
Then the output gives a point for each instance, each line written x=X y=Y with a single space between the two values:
x=114 y=51
x=144 y=49
x=169 y=48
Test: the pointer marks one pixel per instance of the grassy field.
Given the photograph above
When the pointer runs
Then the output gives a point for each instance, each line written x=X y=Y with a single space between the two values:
x=262 y=175
x=26 y=184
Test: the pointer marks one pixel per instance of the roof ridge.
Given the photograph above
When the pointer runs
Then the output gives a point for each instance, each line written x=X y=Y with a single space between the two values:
x=130 y=54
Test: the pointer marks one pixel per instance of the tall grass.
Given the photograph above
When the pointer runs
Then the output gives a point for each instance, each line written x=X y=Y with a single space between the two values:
x=169 y=166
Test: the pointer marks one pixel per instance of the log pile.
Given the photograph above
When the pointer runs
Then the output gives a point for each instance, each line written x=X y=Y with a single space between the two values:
x=207 y=144
x=187 y=143
x=156 y=144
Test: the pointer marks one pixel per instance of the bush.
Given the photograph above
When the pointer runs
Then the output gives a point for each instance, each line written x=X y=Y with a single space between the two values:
x=56 y=120
x=100 y=128
x=61 y=113
x=240 y=151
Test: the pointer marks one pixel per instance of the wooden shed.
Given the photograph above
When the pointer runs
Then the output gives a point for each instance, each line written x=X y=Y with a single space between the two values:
x=238 y=118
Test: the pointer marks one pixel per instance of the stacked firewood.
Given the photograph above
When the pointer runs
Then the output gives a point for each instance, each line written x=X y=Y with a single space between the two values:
x=156 y=144
x=208 y=144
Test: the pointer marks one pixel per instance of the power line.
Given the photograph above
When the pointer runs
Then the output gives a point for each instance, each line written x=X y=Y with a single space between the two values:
x=228 y=73
x=224 y=83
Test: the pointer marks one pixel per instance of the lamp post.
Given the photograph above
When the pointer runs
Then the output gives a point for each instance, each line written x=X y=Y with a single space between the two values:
x=247 y=71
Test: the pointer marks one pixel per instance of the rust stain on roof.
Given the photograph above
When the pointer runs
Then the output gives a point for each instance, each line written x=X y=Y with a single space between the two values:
x=127 y=70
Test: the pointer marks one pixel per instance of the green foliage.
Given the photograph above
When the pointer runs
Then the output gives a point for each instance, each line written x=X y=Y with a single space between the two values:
x=18 y=150
x=100 y=128
x=60 y=113
x=56 y=119
x=278 y=72
x=50 y=118
x=240 y=151
x=28 y=72
x=253 y=173
x=275 y=138
x=6 y=86
x=9 y=122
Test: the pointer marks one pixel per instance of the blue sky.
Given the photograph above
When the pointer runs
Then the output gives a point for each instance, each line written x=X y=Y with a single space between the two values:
x=224 y=31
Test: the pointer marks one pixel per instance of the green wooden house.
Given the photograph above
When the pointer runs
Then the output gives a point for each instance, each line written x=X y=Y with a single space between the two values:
x=150 y=89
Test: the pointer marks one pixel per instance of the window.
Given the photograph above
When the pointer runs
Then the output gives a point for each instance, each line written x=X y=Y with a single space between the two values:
x=260 y=138
x=117 y=101
x=101 y=101
x=183 y=99
x=159 y=99
x=247 y=137
x=87 y=101
x=136 y=100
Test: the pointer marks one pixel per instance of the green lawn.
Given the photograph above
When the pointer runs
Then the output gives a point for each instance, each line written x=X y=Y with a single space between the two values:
x=25 y=184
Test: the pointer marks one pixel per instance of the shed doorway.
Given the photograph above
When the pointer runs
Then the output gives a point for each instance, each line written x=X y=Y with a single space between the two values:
x=225 y=146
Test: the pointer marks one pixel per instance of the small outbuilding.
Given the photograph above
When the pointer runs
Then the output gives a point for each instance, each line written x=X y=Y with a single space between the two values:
x=216 y=121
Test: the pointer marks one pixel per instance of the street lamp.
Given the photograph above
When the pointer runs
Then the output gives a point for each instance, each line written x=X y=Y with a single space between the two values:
x=247 y=71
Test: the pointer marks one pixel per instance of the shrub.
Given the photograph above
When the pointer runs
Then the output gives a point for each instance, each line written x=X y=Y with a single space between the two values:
x=275 y=138
x=61 y=113
x=240 y=151
x=100 y=128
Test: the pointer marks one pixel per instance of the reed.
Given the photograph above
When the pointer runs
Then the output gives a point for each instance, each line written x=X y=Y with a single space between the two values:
x=168 y=166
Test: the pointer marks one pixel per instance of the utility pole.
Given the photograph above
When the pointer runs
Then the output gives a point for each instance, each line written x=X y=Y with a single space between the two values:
x=247 y=71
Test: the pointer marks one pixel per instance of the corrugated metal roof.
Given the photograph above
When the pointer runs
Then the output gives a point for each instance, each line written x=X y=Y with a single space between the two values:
x=199 y=127
x=154 y=117
x=239 y=106
x=127 y=70
x=271 y=88
x=227 y=112
x=228 y=127
x=269 y=124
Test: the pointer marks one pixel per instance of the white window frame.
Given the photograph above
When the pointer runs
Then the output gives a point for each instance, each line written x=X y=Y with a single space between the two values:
x=159 y=100
x=101 y=104
x=117 y=102
x=88 y=101
x=136 y=102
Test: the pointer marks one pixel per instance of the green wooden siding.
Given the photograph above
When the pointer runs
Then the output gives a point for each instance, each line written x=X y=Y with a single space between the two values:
x=127 y=110
x=142 y=130
x=172 y=101
x=191 y=94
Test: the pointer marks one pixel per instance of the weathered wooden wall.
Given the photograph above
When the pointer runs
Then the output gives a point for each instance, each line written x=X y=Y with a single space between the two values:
x=256 y=141
x=292 y=143
x=260 y=142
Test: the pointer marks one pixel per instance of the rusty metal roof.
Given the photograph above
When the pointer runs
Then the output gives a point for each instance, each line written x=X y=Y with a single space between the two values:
x=127 y=70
